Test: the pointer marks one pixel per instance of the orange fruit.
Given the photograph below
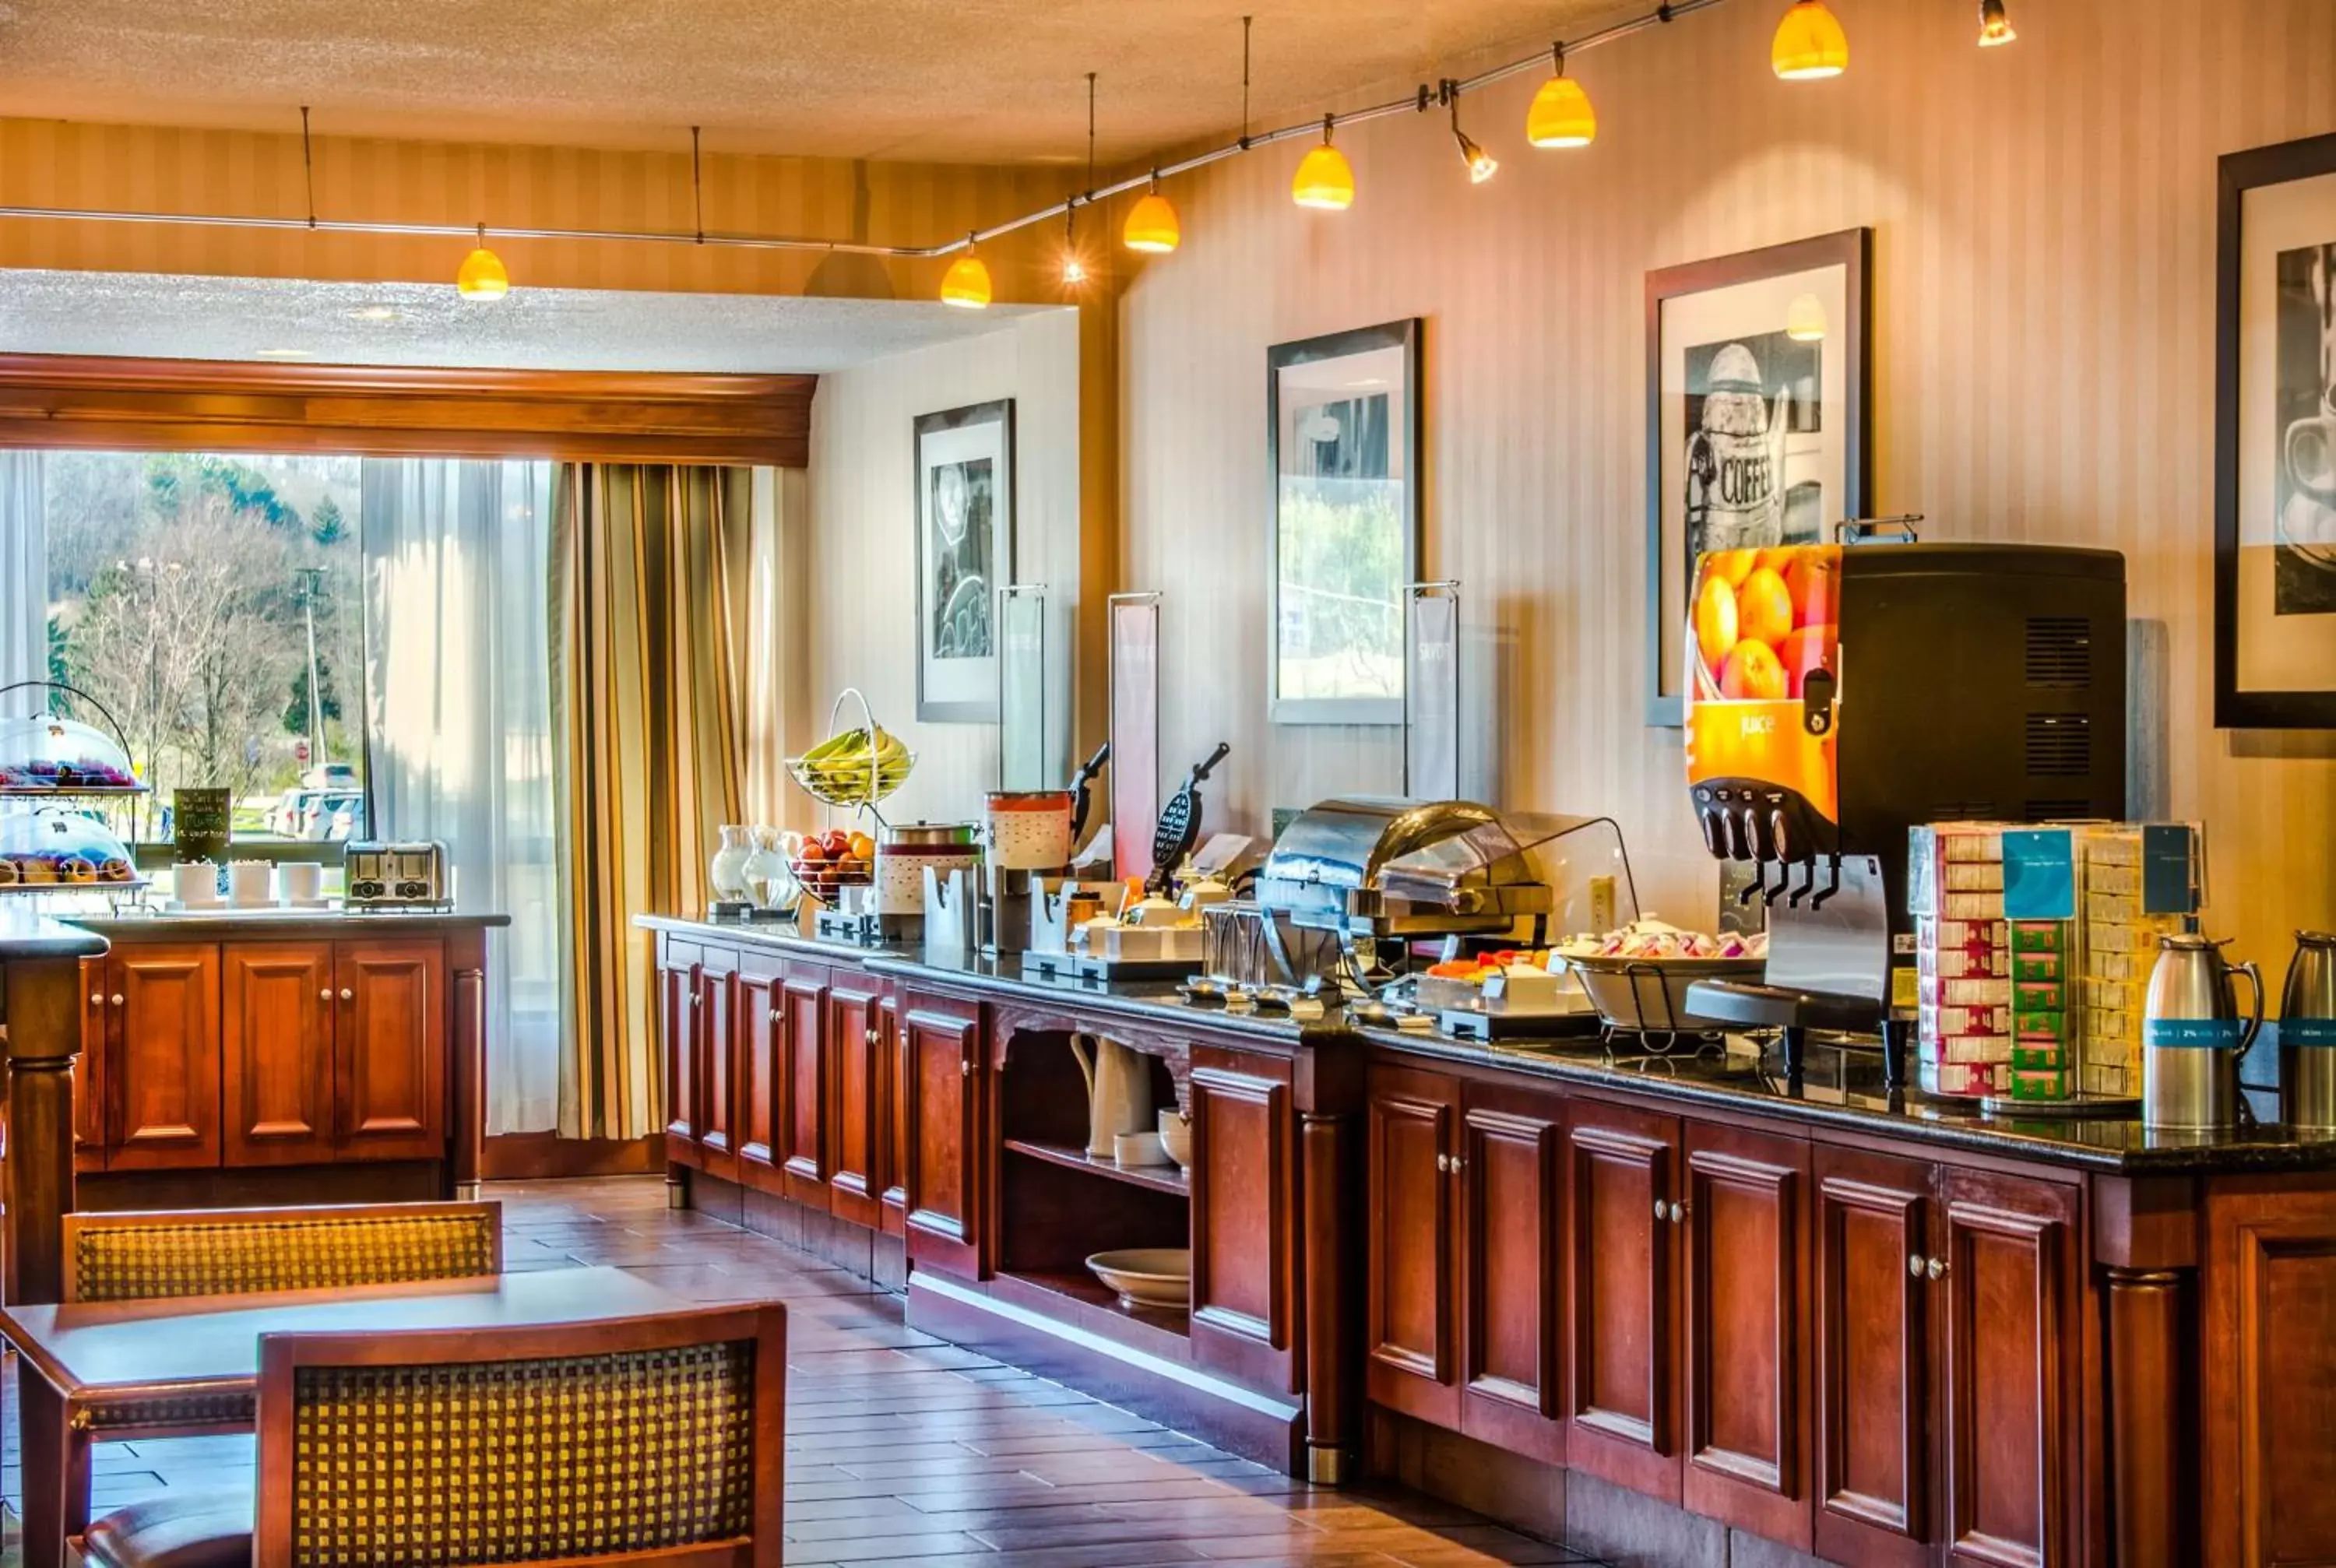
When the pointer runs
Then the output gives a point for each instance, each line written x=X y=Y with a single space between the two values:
x=1734 y=565
x=1764 y=607
x=1806 y=648
x=1813 y=581
x=1715 y=617
x=1753 y=672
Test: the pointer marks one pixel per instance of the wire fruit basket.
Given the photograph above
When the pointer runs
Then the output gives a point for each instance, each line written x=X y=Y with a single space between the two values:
x=854 y=770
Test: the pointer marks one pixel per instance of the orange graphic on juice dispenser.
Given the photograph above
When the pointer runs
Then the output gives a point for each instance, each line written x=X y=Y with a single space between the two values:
x=1760 y=623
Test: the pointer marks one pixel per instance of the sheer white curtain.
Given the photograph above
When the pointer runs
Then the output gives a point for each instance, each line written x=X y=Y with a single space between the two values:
x=459 y=687
x=23 y=578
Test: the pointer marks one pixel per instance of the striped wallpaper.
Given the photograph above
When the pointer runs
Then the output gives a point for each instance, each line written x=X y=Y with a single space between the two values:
x=2044 y=272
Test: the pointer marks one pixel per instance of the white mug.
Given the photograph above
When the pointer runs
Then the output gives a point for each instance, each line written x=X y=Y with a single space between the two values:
x=303 y=882
x=250 y=882
x=195 y=883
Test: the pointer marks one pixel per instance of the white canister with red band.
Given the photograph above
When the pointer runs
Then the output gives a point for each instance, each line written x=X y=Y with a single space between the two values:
x=1029 y=830
x=903 y=853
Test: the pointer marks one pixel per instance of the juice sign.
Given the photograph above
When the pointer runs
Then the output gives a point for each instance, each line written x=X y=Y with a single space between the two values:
x=1763 y=667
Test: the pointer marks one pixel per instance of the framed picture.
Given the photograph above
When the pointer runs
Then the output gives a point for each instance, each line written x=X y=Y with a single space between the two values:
x=965 y=553
x=2275 y=439
x=1757 y=393
x=1342 y=443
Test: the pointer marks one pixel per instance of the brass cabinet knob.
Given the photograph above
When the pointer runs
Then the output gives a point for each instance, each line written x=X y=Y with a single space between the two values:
x=1678 y=1212
x=874 y=1038
x=1914 y=1264
x=117 y=998
x=1459 y=1164
x=965 y=1069
x=777 y=1016
x=347 y=995
x=1663 y=1211
x=325 y=995
x=1443 y=1163
x=97 y=999
x=1936 y=1268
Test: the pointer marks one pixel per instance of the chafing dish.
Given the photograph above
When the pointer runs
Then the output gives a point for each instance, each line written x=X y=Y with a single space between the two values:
x=1379 y=866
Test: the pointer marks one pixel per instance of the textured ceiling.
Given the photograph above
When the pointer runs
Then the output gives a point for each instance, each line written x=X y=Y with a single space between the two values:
x=947 y=81
x=146 y=315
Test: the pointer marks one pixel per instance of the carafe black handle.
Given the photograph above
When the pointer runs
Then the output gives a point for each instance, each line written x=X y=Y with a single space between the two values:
x=2255 y=1024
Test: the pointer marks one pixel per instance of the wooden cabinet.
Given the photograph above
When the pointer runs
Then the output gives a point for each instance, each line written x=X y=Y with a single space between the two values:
x=802 y=1071
x=677 y=1007
x=1409 y=1320
x=893 y=1134
x=389 y=1055
x=1622 y=1305
x=1244 y=1200
x=757 y=1026
x=162 y=1055
x=857 y=1083
x=89 y=1072
x=717 y=1045
x=279 y=1004
x=944 y=1120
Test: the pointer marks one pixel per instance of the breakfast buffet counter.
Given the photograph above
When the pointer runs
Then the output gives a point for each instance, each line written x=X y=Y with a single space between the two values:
x=1875 y=1328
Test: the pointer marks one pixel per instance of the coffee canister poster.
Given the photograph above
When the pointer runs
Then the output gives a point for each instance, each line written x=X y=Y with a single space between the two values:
x=2275 y=447
x=1756 y=378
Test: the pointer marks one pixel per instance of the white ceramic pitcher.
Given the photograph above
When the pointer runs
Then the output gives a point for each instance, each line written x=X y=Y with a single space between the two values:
x=1119 y=1092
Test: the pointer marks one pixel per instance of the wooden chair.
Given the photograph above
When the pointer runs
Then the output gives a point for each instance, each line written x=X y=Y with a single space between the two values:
x=127 y=1257
x=653 y=1441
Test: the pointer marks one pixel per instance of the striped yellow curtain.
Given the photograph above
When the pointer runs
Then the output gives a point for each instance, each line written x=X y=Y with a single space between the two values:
x=650 y=572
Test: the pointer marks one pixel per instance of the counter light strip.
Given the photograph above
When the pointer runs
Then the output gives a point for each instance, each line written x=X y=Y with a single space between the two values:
x=1412 y=104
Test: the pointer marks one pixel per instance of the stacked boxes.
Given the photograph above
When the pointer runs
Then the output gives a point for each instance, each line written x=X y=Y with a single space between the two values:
x=1963 y=960
x=2044 y=1045
x=2120 y=946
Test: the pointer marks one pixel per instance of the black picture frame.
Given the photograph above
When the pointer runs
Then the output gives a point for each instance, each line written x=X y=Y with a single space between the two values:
x=971 y=694
x=1851 y=250
x=2236 y=174
x=1405 y=427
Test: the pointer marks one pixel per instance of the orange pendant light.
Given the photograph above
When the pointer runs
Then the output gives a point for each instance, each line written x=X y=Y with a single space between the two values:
x=482 y=275
x=1151 y=225
x=1809 y=44
x=1325 y=181
x=1561 y=115
x=965 y=284
x=1994 y=26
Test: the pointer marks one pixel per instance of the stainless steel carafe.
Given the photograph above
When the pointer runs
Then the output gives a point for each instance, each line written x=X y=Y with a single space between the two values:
x=2307 y=1034
x=2192 y=1038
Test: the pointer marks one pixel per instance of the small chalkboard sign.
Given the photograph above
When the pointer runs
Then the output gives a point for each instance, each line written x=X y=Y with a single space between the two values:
x=201 y=820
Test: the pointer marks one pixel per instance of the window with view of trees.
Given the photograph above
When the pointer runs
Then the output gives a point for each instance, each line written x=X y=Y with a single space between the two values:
x=214 y=604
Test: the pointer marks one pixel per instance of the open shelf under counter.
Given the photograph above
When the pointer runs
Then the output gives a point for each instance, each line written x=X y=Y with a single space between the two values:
x=1086 y=1302
x=1167 y=1178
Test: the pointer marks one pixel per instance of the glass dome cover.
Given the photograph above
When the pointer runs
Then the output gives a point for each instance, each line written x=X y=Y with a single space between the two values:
x=59 y=756
x=51 y=848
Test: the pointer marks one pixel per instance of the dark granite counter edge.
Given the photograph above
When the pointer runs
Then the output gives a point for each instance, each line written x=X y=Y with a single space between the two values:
x=260 y=925
x=1950 y=1129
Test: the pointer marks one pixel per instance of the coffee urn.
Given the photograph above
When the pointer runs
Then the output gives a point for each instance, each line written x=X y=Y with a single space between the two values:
x=2307 y=1034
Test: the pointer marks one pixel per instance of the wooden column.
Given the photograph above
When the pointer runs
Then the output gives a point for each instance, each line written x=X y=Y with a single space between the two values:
x=1330 y=1267
x=42 y=1006
x=2146 y=1239
x=466 y=962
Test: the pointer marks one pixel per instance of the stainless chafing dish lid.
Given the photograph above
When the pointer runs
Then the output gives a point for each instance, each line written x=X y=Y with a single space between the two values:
x=1347 y=840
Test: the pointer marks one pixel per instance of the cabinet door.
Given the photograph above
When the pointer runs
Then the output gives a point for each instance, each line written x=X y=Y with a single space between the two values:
x=940 y=1046
x=1244 y=1197
x=677 y=1002
x=895 y=1126
x=1621 y=1311
x=756 y=1095
x=1746 y=1357
x=717 y=1059
x=1873 y=1393
x=1512 y=1228
x=1410 y=1322
x=803 y=1121
x=89 y=1072
x=162 y=1057
x=390 y=1051
x=2010 y=1287
x=856 y=1087
x=276 y=1067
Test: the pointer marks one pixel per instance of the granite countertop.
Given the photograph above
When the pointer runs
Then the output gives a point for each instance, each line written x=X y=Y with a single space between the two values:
x=1839 y=1089
x=278 y=921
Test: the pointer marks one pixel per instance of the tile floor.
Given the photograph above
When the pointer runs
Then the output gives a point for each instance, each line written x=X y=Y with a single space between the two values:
x=902 y=1448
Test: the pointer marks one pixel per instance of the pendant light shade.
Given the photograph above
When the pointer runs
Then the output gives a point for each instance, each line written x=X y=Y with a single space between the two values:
x=1804 y=320
x=482 y=275
x=1324 y=180
x=1809 y=44
x=965 y=284
x=1994 y=26
x=1561 y=115
x=1152 y=227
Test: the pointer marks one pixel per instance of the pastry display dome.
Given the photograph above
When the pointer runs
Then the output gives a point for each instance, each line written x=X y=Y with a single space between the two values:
x=49 y=848
x=53 y=754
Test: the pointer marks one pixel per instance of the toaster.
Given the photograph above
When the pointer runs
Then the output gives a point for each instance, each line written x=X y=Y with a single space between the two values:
x=387 y=873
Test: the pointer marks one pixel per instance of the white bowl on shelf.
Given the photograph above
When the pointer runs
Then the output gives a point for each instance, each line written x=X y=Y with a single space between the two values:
x=1176 y=1136
x=1147 y=1278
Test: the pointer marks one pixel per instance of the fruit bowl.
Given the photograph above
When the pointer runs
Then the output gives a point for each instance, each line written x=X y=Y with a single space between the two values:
x=853 y=767
x=821 y=878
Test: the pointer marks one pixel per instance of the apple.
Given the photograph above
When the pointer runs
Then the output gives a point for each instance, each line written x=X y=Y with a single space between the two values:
x=812 y=854
x=837 y=843
x=1752 y=673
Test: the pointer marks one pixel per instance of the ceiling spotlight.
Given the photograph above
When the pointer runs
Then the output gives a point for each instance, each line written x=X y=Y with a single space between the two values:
x=482 y=276
x=1994 y=26
x=1561 y=115
x=1074 y=271
x=1809 y=44
x=1324 y=180
x=1152 y=225
x=1804 y=319
x=965 y=284
x=1482 y=165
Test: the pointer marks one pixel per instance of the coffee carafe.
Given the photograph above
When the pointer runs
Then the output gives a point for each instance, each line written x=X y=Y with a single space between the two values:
x=2192 y=1038
x=2307 y=1034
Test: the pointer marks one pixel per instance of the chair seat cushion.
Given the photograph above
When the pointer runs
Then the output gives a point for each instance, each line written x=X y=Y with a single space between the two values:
x=194 y=1530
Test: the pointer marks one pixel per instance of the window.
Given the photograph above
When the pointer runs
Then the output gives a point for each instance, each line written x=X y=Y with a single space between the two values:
x=215 y=606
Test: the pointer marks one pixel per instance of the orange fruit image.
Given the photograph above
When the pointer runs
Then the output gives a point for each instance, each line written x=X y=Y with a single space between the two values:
x=1735 y=565
x=1764 y=607
x=1777 y=558
x=1715 y=617
x=1813 y=581
x=1753 y=672
x=1806 y=648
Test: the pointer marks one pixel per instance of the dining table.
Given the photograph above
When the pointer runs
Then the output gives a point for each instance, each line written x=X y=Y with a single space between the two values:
x=75 y=1359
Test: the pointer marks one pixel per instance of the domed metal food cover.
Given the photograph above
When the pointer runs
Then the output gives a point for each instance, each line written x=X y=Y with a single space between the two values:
x=51 y=753
x=1382 y=865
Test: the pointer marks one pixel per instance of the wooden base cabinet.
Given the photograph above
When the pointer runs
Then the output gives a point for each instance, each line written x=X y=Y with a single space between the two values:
x=944 y=1128
x=858 y=1084
x=162 y=1057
